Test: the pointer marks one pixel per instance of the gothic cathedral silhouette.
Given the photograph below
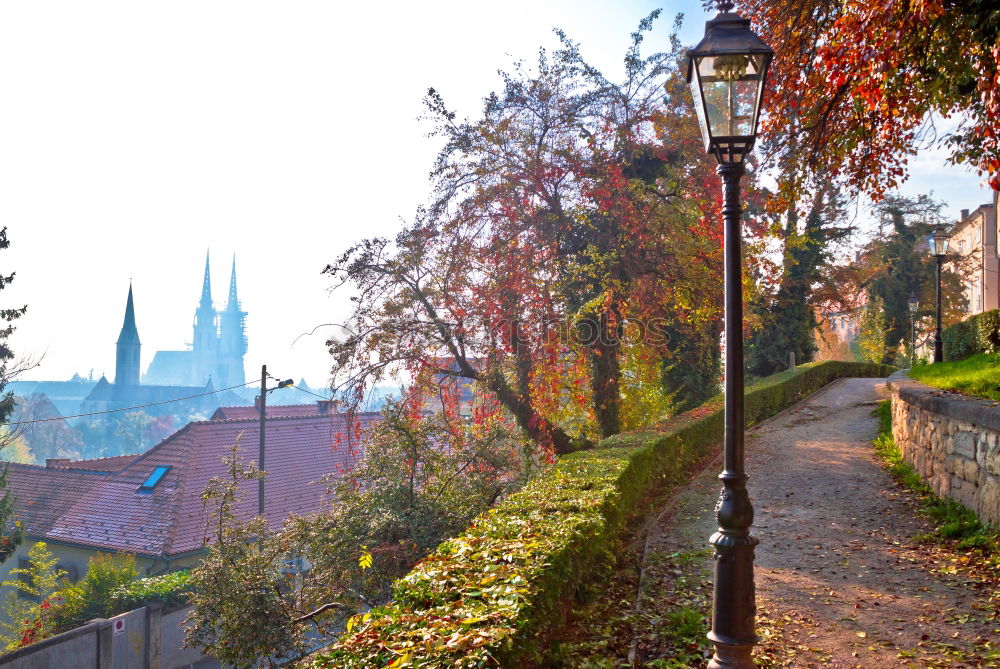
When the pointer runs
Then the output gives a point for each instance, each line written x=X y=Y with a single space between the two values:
x=217 y=349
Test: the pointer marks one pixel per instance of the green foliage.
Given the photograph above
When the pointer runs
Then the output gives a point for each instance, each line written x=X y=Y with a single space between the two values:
x=27 y=611
x=954 y=523
x=487 y=595
x=173 y=590
x=93 y=596
x=422 y=479
x=976 y=334
x=241 y=613
x=872 y=342
x=978 y=375
x=787 y=319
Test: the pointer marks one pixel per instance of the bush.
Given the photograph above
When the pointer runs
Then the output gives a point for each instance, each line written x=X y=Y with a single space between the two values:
x=976 y=334
x=172 y=590
x=91 y=597
x=488 y=595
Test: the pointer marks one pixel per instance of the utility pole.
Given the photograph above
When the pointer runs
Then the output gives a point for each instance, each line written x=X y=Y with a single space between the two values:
x=260 y=459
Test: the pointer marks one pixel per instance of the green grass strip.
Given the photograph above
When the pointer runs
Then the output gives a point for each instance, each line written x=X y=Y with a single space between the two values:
x=978 y=375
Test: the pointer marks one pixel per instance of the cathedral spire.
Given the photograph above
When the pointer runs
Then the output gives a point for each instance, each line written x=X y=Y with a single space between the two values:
x=127 y=355
x=206 y=288
x=129 y=331
x=234 y=302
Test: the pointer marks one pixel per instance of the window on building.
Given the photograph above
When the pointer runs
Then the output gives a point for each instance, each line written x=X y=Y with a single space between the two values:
x=26 y=578
x=961 y=247
x=155 y=477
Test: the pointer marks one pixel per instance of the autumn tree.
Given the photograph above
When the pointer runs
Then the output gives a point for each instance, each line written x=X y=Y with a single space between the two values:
x=857 y=86
x=46 y=435
x=573 y=210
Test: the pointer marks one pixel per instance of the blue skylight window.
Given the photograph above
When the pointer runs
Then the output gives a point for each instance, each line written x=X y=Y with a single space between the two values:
x=155 y=477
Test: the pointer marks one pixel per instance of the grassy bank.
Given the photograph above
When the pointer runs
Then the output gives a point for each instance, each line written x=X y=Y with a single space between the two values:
x=978 y=375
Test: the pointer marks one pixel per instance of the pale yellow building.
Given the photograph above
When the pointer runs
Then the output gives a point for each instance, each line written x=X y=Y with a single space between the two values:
x=973 y=255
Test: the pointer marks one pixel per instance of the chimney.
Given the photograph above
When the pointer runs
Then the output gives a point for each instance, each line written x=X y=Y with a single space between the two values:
x=51 y=463
x=965 y=215
x=325 y=407
x=256 y=403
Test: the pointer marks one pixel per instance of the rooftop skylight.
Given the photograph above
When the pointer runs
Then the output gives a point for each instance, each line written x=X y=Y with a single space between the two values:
x=155 y=477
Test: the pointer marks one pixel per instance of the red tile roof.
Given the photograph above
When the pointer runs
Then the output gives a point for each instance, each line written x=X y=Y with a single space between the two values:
x=105 y=510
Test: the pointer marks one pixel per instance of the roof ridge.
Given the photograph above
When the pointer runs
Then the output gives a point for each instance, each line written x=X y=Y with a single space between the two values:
x=256 y=419
x=141 y=457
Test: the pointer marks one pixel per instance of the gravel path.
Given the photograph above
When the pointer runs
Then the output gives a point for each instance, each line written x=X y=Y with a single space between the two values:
x=840 y=581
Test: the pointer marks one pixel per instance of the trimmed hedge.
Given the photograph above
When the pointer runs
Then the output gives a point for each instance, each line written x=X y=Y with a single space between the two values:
x=976 y=334
x=485 y=598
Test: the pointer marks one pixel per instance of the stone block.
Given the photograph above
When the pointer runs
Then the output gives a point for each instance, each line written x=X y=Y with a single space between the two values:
x=964 y=444
x=941 y=483
x=970 y=471
x=989 y=456
x=962 y=492
x=988 y=505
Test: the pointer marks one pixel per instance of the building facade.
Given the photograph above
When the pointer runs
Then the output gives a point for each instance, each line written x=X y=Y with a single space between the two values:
x=973 y=251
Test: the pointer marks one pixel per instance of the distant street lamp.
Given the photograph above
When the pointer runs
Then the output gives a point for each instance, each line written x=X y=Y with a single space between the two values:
x=913 y=304
x=938 y=243
x=263 y=425
x=727 y=72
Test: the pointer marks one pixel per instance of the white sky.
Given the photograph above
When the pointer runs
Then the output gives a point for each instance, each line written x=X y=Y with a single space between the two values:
x=135 y=135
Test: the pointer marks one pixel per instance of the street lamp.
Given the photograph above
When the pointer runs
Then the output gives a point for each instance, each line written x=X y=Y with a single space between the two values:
x=913 y=304
x=727 y=72
x=938 y=243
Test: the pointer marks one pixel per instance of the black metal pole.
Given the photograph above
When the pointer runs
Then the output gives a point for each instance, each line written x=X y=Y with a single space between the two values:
x=913 y=340
x=260 y=458
x=733 y=605
x=938 y=347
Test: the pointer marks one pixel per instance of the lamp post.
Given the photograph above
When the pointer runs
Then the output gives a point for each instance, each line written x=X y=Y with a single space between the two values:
x=913 y=304
x=727 y=72
x=263 y=425
x=938 y=243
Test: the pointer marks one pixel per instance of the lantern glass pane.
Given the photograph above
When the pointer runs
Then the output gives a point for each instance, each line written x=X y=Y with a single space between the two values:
x=730 y=88
x=699 y=106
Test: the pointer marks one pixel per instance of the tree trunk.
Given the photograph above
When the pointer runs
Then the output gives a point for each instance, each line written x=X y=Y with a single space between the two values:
x=605 y=376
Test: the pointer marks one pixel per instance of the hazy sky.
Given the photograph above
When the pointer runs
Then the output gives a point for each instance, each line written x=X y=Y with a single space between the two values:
x=134 y=136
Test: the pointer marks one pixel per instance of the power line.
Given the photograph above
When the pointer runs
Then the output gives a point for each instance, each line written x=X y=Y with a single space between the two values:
x=310 y=392
x=140 y=406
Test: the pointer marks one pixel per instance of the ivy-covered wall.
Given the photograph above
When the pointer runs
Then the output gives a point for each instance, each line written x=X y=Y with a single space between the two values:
x=487 y=597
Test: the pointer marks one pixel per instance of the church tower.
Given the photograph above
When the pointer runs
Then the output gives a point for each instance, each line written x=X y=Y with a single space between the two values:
x=232 y=338
x=206 y=334
x=127 y=358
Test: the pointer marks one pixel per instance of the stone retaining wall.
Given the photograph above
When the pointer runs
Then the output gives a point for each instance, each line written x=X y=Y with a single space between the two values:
x=953 y=442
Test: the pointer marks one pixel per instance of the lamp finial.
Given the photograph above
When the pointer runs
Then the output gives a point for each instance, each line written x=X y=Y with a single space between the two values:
x=724 y=5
